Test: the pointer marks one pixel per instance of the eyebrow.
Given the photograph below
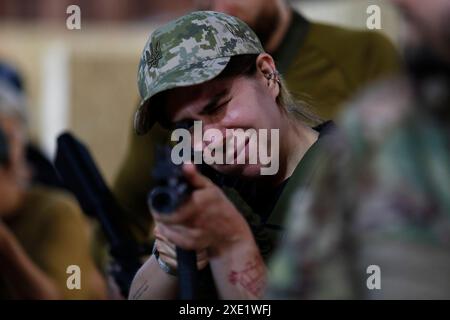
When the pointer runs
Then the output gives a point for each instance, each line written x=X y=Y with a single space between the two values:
x=210 y=105
x=214 y=101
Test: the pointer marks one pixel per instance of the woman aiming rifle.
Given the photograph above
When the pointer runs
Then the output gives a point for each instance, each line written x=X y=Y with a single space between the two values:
x=211 y=67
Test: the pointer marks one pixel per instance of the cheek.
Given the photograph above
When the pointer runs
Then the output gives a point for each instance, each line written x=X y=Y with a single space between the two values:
x=235 y=115
x=251 y=107
x=251 y=116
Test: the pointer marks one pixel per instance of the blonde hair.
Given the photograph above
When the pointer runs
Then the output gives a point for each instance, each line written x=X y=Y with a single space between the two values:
x=296 y=108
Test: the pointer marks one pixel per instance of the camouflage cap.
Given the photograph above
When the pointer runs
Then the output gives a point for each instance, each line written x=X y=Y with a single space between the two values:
x=188 y=51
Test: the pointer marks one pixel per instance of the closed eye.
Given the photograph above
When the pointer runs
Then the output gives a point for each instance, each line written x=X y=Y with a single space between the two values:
x=214 y=108
x=216 y=104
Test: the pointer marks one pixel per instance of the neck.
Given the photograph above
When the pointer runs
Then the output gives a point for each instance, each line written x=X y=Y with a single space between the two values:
x=298 y=138
x=285 y=16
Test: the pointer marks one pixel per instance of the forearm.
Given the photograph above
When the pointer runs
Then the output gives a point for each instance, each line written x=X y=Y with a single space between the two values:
x=23 y=277
x=239 y=271
x=152 y=283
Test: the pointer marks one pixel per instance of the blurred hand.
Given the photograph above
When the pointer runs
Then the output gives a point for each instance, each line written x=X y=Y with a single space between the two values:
x=167 y=251
x=206 y=220
x=6 y=239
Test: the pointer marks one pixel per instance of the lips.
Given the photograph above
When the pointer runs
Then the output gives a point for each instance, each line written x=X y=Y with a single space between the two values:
x=239 y=149
x=223 y=146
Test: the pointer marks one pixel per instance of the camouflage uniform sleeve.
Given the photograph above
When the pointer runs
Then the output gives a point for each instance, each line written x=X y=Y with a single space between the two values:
x=317 y=257
x=381 y=200
x=306 y=265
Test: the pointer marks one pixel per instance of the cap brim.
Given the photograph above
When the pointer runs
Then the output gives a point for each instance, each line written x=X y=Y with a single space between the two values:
x=183 y=76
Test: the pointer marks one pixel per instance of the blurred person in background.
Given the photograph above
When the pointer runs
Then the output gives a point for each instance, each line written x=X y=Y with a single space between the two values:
x=42 y=230
x=40 y=165
x=323 y=65
x=382 y=198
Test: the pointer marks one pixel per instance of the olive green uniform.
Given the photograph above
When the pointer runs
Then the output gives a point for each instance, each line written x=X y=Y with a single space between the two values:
x=325 y=65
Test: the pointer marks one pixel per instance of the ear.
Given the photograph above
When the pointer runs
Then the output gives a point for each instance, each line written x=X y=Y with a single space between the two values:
x=266 y=66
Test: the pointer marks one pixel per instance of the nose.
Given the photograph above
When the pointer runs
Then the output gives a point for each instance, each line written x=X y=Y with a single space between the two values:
x=211 y=134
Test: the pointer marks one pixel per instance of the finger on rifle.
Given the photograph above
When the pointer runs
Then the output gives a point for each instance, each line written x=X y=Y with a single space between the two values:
x=202 y=255
x=202 y=259
x=182 y=215
x=195 y=179
x=184 y=237
x=171 y=261
x=161 y=238
x=166 y=247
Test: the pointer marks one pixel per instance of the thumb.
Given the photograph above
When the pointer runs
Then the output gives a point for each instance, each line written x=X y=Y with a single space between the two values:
x=195 y=178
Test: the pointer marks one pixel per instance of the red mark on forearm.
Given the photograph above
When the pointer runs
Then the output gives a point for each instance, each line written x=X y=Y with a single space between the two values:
x=252 y=278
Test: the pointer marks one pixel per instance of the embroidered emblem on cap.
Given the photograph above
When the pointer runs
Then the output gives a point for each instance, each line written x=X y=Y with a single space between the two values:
x=235 y=30
x=152 y=57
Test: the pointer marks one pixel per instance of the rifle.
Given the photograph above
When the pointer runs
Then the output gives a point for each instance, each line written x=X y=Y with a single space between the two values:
x=80 y=175
x=170 y=191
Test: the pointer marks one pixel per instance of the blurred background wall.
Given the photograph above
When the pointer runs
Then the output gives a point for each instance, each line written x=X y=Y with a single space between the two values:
x=85 y=80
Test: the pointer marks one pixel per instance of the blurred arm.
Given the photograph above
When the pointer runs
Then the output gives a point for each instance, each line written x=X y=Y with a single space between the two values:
x=22 y=276
x=151 y=282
